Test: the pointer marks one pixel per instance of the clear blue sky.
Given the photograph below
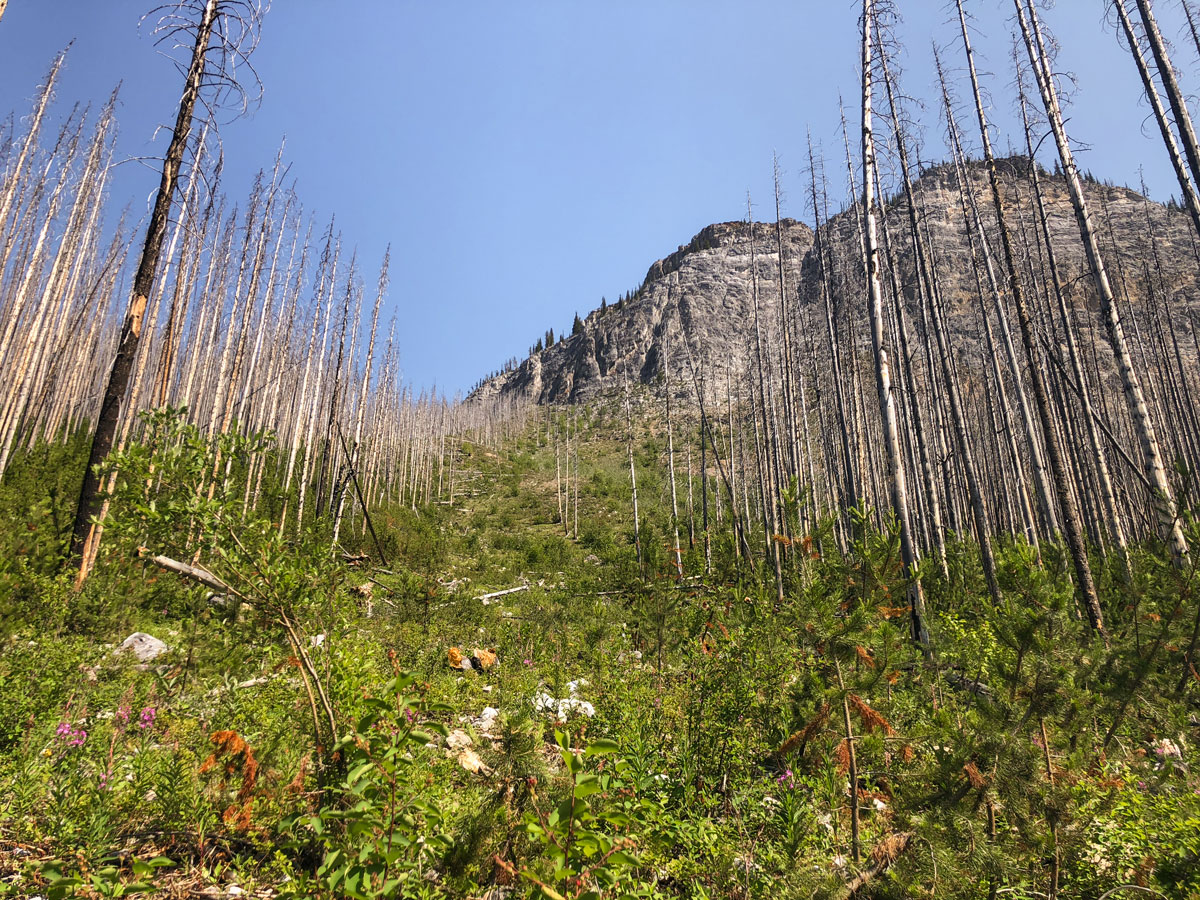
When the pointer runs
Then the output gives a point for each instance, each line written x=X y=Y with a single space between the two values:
x=525 y=158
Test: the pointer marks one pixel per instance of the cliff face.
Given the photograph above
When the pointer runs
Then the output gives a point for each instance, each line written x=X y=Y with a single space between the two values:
x=704 y=291
x=702 y=296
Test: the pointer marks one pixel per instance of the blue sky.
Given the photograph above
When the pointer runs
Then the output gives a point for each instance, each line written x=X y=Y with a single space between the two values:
x=525 y=158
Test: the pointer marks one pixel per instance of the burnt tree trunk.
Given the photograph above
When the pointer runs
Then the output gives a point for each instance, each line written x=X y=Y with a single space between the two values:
x=83 y=533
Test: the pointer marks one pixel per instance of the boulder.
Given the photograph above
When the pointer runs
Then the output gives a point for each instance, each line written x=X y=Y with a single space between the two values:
x=144 y=646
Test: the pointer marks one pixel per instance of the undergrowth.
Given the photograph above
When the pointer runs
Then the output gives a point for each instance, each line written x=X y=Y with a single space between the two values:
x=637 y=735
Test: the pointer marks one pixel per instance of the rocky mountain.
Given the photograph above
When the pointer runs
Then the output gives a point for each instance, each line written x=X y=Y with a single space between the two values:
x=701 y=297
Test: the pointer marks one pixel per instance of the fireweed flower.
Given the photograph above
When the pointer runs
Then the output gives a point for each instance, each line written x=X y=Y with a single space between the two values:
x=149 y=714
x=69 y=735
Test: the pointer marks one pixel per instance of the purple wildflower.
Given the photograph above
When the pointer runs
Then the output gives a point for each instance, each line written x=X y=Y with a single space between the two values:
x=70 y=735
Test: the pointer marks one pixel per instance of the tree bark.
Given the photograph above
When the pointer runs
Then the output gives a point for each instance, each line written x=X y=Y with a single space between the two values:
x=1072 y=529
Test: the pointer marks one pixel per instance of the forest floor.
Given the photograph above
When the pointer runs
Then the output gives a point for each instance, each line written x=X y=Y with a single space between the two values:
x=339 y=726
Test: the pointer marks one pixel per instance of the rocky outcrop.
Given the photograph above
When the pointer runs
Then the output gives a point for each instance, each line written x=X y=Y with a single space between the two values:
x=701 y=297
x=704 y=291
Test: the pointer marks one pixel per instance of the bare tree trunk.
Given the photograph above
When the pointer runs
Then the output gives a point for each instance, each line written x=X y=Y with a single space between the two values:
x=935 y=511
x=131 y=331
x=789 y=390
x=1179 y=107
x=916 y=596
x=1098 y=452
x=1160 y=115
x=637 y=533
x=850 y=490
x=677 y=550
x=767 y=483
x=1072 y=529
x=360 y=413
x=1168 y=520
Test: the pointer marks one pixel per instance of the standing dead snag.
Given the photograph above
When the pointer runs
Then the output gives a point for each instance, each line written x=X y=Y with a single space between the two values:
x=1135 y=398
x=1188 y=190
x=883 y=378
x=637 y=534
x=1166 y=71
x=213 y=18
x=1072 y=526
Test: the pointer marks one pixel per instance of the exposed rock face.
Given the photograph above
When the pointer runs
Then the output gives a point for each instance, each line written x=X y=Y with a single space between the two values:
x=703 y=290
x=702 y=296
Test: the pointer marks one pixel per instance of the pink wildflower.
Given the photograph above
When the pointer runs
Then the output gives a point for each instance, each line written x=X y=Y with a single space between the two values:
x=70 y=735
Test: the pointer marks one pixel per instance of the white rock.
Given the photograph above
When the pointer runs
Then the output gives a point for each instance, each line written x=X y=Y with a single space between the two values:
x=144 y=646
x=458 y=740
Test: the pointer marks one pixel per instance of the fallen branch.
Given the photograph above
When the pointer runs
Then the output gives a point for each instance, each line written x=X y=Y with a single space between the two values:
x=206 y=578
x=493 y=596
x=885 y=853
x=307 y=669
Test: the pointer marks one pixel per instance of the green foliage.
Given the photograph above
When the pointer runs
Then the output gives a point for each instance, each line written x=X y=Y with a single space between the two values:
x=588 y=840
x=704 y=755
x=378 y=832
x=104 y=881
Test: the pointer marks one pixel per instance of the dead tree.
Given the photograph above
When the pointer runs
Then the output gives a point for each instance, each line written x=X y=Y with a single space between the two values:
x=1072 y=527
x=916 y=596
x=232 y=23
x=1155 y=471
x=1191 y=201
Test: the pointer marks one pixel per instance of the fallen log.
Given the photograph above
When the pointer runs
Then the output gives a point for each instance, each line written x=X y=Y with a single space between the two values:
x=206 y=578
